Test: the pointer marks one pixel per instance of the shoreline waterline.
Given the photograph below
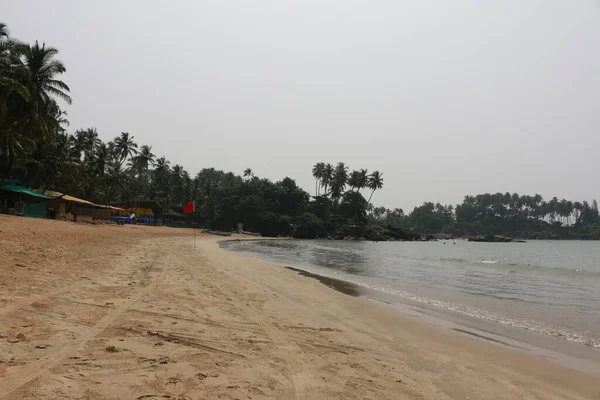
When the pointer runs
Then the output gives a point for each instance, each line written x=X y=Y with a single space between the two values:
x=529 y=336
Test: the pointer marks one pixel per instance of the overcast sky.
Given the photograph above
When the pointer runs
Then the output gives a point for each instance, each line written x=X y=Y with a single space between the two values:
x=446 y=98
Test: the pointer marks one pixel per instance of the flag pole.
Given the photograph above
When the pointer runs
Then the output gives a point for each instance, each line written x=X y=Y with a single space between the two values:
x=194 y=208
x=190 y=208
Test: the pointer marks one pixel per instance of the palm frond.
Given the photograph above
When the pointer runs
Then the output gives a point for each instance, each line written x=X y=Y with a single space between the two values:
x=14 y=86
x=58 y=93
x=60 y=84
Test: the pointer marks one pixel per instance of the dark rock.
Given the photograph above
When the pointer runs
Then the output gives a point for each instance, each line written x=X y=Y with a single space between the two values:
x=490 y=239
x=442 y=236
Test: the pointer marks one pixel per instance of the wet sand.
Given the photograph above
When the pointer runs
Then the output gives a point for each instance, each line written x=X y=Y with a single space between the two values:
x=556 y=350
x=108 y=312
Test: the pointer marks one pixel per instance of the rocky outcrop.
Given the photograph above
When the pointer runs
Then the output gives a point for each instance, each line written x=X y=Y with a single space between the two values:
x=490 y=239
x=442 y=236
x=377 y=237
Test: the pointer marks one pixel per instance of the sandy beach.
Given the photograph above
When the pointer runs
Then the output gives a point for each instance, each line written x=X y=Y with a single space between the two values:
x=133 y=312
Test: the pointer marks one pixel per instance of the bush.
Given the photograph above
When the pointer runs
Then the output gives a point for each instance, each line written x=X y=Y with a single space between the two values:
x=309 y=226
x=269 y=224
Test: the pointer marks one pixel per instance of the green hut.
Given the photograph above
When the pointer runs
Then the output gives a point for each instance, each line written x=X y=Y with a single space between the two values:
x=19 y=200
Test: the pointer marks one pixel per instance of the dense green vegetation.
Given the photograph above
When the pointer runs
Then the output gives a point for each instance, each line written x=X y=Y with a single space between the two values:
x=500 y=214
x=36 y=148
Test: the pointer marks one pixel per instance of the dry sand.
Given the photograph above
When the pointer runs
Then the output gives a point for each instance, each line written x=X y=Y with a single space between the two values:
x=131 y=312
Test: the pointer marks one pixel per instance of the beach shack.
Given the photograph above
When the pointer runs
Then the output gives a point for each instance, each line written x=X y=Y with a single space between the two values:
x=146 y=211
x=172 y=217
x=17 y=199
x=79 y=210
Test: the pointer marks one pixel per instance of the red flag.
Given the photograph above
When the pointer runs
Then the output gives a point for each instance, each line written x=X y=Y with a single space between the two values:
x=189 y=207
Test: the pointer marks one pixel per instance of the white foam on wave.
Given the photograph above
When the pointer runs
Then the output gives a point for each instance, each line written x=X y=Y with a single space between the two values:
x=534 y=326
x=531 y=325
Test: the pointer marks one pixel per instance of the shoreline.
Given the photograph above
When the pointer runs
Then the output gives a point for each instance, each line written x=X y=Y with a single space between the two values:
x=571 y=354
x=135 y=312
x=429 y=329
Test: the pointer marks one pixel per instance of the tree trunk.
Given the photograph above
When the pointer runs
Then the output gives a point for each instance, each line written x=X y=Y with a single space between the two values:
x=371 y=196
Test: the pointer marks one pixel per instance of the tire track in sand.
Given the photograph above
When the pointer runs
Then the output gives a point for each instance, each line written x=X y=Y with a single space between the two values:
x=16 y=379
x=34 y=298
x=338 y=383
x=305 y=386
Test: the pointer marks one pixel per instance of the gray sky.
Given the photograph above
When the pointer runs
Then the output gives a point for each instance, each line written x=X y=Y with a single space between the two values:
x=444 y=97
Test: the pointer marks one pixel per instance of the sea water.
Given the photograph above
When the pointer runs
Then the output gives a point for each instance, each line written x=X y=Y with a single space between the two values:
x=549 y=287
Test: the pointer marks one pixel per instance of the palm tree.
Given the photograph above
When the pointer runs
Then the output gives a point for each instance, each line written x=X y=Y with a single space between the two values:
x=30 y=71
x=99 y=158
x=317 y=172
x=9 y=62
x=144 y=159
x=61 y=119
x=162 y=176
x=375 y=183
x=363 y=179
x=162 y=165
x=87 y=141
x=248 y=173
x=327 y=176
x=177 y=171
x=354 y=180
x=188 y=185
x=125 y=146
x=37 y=69
x=69 y=162
x=177 y=183
x=338 y=183
x=115 y=179
x=15 y=143
x=43 y=163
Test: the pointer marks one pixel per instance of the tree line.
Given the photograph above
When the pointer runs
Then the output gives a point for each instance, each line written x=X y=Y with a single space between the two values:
x=523 y=216
x=36 y=148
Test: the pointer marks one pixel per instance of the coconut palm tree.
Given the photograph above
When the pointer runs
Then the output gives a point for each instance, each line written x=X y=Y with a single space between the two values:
x=248 y=174
x=177 y=172
x=375 y=182
x=317 y=172
x=14 y=143
x=354 y=180
x=162 y=176
x=30 y=71
x=86 y=141
x=8 y=62
x=144 y=159
x=125 y=146
x=339 y=181
x=327 y=176
x=99 y=158
x=363 y=179
x=162 y=165
x=115 y=179
x=43 y=163
x=177 y=183
x=37 y=69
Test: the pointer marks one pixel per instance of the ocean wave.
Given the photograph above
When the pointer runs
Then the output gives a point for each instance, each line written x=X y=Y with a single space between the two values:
x=404 y=268
x=453 y=259
x=515 y=267
x=531 y=325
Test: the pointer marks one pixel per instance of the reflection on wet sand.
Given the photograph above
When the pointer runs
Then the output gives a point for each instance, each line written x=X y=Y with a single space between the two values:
x=339 y=285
